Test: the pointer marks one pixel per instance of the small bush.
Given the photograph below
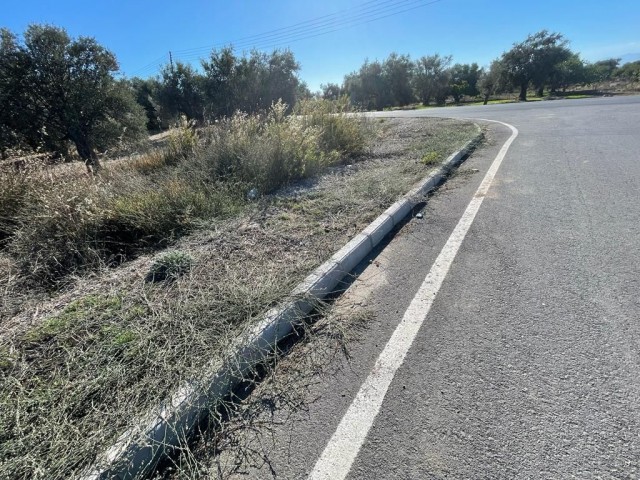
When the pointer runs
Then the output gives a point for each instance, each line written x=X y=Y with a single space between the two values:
x=275 y=150
x=286 y=151
x=170 y=266
x=430 y=157
x=152 y=212
x=183 y=141
x=83 y=226
x=149 y=162
x=340 y=131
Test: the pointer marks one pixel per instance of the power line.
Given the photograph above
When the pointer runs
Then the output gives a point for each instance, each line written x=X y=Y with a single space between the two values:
x=329 y=28
x=394 y=7
x=367 y=12
x=307 y=24
x=152 y=64
x=364 y=22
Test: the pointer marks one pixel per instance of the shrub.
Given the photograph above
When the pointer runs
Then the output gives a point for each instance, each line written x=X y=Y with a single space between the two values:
x=340 y=131
x=148 y=163
x=275 y=150
x=153 y=212
x=183 y=141
x=170 y=266
x=285 y=151
x=56 y=230
x=430 y=157
x=72 y=227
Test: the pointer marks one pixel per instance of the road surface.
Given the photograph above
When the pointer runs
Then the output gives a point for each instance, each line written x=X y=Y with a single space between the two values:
x=527 y=364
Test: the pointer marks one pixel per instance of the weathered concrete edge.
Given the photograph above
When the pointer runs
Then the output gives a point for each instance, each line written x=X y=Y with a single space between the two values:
x=173 y=422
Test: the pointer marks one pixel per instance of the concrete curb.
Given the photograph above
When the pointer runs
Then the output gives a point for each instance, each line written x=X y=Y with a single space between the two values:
x=138 y=451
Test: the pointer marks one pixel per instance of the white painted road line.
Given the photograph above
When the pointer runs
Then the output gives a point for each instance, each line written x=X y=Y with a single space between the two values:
x=342 y=449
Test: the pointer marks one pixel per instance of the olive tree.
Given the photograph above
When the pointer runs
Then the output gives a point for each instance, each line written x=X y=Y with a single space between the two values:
x=64 y=90
x=464 y=80
x=16 y=129
x=533 y=61
x=331 y=91
x=250 y=83
x=431 y=78
x=604 y=70
x=572 y=71
x=491 y=81
x=145 y=92
x=629 y=71
x=180 y=93
x=367 y=87
x=397 y=71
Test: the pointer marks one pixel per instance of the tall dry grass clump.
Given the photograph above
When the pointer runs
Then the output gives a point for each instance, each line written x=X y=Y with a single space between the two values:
x=264 y=152
x=14 y=195
x=340 y=130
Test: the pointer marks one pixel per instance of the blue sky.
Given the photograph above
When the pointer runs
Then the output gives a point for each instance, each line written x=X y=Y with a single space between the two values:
x=339 y=34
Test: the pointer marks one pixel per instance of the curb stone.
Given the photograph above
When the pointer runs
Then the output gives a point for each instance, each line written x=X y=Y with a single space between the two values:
x=139 y=450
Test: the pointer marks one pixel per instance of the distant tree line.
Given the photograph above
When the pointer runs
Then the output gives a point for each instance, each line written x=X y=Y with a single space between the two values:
x=542 y=61
x=228 y=83
x=57 y=92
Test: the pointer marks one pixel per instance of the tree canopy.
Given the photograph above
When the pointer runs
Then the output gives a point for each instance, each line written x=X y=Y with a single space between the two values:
x=534 y=60
x=57 y=91
x=62 y=90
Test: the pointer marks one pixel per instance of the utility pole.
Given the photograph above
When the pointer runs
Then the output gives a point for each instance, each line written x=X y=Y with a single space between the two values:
x=171 y=61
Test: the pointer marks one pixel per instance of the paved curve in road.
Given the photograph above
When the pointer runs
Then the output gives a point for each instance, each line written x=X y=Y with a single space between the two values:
x=528 y=363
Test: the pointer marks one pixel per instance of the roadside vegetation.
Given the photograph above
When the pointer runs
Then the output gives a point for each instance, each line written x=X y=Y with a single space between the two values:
x=78 y=370
x=58 y=222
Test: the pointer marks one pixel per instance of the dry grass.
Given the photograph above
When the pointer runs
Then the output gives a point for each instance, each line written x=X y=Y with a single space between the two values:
x=76 y=372
x=56 y=223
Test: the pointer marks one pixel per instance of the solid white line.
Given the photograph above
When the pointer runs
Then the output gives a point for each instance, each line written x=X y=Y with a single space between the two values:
x=342 y=449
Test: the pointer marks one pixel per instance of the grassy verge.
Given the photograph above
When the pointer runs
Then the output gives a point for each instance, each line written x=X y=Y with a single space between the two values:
x=55 y=224
x=76 y=376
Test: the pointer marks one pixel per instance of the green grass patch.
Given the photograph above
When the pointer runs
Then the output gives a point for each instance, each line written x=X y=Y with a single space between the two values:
x=578 y=97
x=430 y=158
x=493 y=102
x=73 y=317
x=170 y=266
x=7 y=360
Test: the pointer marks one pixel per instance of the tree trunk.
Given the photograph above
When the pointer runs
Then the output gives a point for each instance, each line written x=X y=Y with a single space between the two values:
x=486 y=98
x=441 y=100
x=540 y=91
x=88 y=154
x=523 y=91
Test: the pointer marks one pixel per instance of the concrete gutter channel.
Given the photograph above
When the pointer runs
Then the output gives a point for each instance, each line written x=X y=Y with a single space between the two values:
x=138 y=452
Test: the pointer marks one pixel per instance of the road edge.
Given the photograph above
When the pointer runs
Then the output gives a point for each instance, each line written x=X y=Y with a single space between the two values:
x=138 y=451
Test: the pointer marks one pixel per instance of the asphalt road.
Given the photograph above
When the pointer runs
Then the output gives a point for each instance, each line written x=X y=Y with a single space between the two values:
x=528 y=363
